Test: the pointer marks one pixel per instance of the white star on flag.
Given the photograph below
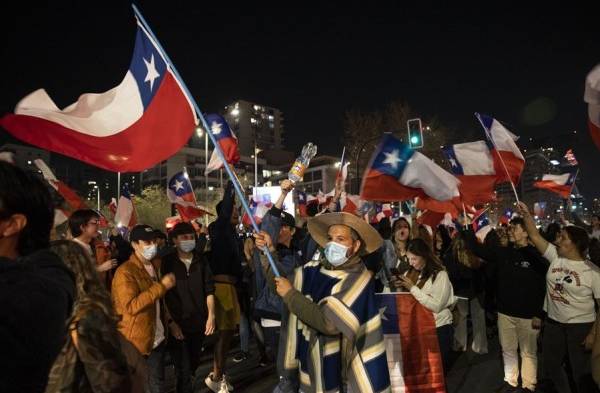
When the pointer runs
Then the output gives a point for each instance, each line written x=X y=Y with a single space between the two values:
x=152 y=73
x=453 y=162
x=178 y=185
x=392 y=158
x=215 y=128
x=382 y=312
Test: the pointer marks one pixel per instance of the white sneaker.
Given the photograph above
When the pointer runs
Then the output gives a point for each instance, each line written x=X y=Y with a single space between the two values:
x=212 y=385
x=226 y=382
x=224 y=388
x=221 y=386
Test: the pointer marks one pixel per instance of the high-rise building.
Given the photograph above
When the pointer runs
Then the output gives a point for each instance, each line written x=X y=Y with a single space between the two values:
x=255 y=125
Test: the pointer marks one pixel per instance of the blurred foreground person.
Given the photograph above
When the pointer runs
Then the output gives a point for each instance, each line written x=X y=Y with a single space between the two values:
x=94 y=356
x=36 y=289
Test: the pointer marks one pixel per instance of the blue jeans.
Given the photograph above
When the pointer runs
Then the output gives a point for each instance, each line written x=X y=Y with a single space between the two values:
x=156 y=369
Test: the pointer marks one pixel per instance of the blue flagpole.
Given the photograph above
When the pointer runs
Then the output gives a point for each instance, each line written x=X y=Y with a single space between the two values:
x=231 y=175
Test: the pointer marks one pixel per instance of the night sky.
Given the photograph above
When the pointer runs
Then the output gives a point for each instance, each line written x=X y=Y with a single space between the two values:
x=525 y=67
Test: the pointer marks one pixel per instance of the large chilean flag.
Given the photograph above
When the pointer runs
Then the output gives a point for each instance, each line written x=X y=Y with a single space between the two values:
x=398 y=173
x=508 y=159
x=473 y=165
x=142 y=121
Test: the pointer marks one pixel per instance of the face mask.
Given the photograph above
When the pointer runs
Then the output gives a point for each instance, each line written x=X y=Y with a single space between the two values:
x=336 y=253
x=187 y=245
x=149 y=252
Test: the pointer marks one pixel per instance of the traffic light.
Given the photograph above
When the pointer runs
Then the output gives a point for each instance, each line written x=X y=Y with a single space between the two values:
x=415 y=133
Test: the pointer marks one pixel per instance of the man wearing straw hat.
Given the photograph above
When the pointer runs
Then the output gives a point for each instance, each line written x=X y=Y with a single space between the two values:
x=333 y=337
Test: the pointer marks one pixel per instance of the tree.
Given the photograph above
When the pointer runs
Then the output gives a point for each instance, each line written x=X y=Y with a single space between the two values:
x=152 y=207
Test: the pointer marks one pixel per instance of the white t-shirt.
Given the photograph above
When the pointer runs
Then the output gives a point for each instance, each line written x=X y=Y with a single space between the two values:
x=595 y=234
x=571 y=287
x=159 y=332
x=438 y=297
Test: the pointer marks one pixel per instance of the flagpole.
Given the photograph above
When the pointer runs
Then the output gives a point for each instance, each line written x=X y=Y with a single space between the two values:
x=499 y=156
x=465 y=215
x=118 y=185
x=233 y=178
x=573 y=185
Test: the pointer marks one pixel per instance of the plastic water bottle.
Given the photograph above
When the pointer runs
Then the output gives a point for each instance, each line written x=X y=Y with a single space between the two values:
x=296 y=173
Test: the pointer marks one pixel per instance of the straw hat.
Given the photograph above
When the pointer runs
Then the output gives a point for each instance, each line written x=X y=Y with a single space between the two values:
x=319 y=225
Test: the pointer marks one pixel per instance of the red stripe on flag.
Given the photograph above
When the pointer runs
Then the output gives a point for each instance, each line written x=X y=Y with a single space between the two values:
x=381 y=187
x=70 y=196
x=513 y=165
x=166 y=125
x=421 y=357
x=477 y=189
x=563 y=190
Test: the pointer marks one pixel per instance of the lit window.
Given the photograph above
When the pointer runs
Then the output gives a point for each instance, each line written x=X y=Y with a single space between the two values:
x=252 y=120
x=271 y=117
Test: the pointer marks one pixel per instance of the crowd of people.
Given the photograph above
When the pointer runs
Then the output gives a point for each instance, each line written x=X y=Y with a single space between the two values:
x=87 y=315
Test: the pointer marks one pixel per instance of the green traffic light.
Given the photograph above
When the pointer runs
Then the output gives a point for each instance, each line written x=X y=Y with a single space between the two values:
x=414 y=139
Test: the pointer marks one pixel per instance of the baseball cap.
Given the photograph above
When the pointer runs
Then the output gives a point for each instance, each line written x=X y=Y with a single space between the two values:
x=142 y=232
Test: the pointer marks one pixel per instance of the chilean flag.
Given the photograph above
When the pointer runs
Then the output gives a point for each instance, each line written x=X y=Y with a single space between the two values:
x=258 y=210
x=181 y=194
x=349 y=203
x=73 y=200
x=592 y=97
x=398 y=173
x=473 y=165
x=481 y=224
x=560 y=184
x=411 y=344
x=226 y=140
x=302 y=202
x=131 y=127
x=506 y=217
x=125 y=215
x=506 y=154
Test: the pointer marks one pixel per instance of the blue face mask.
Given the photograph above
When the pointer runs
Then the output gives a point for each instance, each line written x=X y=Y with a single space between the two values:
x=187 y=245
x=336 y=253
x=149 y=252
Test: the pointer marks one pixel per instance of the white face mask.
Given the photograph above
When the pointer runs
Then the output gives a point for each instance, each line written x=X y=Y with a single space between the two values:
x=336 y=253
x=187 y=245
x=149 y=252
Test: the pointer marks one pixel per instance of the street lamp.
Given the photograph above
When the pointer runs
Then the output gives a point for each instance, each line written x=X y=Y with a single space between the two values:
x=256 y=152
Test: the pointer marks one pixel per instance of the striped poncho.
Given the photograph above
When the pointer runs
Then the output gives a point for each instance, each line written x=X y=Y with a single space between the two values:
x=353 y=360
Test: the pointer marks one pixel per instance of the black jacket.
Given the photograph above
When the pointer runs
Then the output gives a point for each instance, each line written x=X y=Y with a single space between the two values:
x=226 y=245
x=36 y=297
x=466 y=282
x=521 y=277
x=187 y=300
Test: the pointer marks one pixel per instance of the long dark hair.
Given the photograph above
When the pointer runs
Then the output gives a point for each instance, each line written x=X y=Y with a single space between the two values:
x=90 y=293
x=442 y=231
x=432 y=266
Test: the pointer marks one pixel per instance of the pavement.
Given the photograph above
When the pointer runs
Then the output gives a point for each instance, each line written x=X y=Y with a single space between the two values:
x=469 y=372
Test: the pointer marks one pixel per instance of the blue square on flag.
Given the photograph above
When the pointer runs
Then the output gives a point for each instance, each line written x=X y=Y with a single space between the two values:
x=180 y=185
x=392 y=156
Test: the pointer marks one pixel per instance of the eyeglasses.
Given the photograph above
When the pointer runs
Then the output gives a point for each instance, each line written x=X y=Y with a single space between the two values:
x=93 y=223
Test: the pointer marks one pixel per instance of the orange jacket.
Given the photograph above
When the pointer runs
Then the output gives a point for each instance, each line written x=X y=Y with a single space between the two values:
x=134 y=295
